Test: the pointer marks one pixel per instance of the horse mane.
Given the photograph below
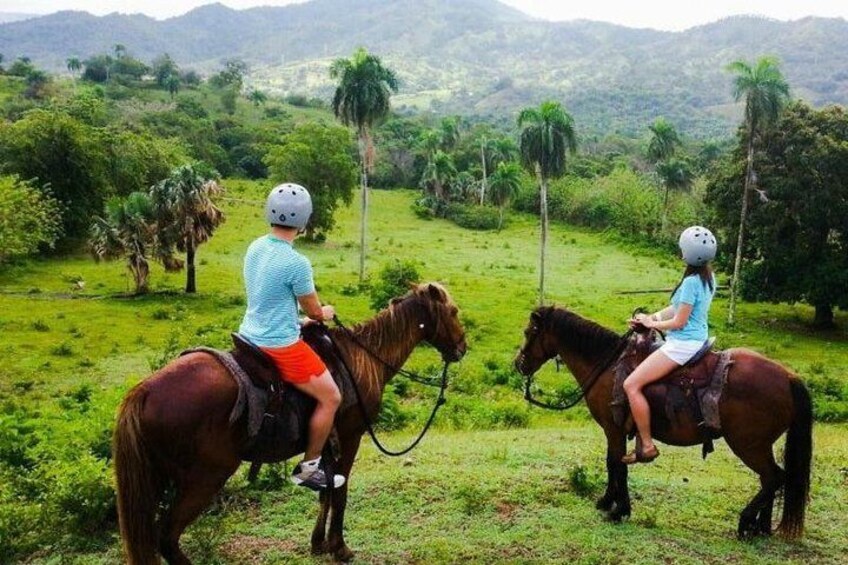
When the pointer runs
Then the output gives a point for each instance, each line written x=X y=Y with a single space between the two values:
x=580 y=334
x=381 y=334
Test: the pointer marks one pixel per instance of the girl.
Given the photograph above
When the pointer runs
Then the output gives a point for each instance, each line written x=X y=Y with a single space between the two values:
x=685 y=321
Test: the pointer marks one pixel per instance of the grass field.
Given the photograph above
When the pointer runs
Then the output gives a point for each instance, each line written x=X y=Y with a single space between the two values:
x=469 y=493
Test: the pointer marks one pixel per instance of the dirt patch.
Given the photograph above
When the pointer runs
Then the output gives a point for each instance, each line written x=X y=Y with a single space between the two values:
x=245 y=550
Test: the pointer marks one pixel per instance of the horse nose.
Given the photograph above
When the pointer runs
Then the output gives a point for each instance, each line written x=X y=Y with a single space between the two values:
x=461 y=349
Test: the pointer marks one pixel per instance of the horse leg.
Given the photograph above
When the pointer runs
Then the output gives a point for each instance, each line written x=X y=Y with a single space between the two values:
x=195 y=492
x=616 y=499
x=338 y=501
x=319 y=532
x=755 y=518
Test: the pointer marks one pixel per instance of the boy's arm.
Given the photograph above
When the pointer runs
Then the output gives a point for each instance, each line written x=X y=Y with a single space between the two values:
x=311 y=306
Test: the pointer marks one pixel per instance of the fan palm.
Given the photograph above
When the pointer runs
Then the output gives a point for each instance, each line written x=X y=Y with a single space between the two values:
x=362 y=100
x=547 y=134
x=765 y=92
x=505 y=182
x=127 y=229
x=186 y=214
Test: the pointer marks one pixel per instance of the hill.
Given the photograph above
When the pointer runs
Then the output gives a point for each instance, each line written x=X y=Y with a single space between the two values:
x=473 y=56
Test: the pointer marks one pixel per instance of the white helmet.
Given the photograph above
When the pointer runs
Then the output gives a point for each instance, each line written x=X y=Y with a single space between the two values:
x=288 y=205
x=698 y=245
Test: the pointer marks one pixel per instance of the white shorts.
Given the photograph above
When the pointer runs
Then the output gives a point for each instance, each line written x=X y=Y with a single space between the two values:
x=681 y=350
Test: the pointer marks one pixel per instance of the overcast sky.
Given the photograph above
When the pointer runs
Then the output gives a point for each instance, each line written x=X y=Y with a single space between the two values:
x=658 y=14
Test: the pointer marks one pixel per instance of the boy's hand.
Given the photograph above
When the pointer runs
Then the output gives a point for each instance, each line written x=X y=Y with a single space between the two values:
x=328 y=312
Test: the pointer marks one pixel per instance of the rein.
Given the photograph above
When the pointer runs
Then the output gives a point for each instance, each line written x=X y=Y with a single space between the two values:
x=574 y=399
x=440 y=400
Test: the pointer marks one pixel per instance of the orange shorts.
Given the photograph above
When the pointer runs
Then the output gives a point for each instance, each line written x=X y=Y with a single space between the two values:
x=297 y=362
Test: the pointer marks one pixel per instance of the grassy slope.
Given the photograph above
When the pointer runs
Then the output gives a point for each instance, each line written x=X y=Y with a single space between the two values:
x=525 y=511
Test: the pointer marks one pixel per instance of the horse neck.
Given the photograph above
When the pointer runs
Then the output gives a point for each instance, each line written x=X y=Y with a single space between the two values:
x=391 y=336
x=583 y=345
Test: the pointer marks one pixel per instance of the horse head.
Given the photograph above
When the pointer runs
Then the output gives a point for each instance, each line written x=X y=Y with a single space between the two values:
x=539 y=342
x=438 y=319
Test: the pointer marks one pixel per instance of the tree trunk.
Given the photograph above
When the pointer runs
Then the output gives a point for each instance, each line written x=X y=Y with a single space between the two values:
x=363 y=156
x=140 y=270
x=483 y=161
x=191 y=285
x=737 y=262
x=543 y=214
x=824 y=316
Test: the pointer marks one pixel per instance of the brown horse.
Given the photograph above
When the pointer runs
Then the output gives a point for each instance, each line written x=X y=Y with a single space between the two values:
x=760 y=401
x=173 y=427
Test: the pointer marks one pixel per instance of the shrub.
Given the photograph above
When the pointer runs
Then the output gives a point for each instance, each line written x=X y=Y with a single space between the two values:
x=394 y=280
x=473 y=217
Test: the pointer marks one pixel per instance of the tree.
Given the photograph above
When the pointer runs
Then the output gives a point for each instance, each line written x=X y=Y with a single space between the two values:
x=664 y=140
x=505 y=182
x=60 y=154
x=74 y=66
x=232 y=75
x=163 y=67
x=438 y=174
x=449 y=132
x=492 y=153
x=172 y=83
x=765 y=92
x=29 y=219
x=362 y=99
x=318 y=157
x=186 y=214
x=798 y=227
x=126 y=229
x=257 y=97
x=547 y=134
x=228 y=100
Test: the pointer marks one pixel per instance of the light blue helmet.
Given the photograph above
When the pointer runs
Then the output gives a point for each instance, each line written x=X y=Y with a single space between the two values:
x=288 y=205
x=698 y=245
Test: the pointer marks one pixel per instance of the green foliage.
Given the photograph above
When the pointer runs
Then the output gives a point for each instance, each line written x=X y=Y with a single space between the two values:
x=393 y=280
x=797 y=223
x=62 y=154
x=364 y=89
x=473 y=216
x=547 y=134
x=318 y=157
x=29 y=219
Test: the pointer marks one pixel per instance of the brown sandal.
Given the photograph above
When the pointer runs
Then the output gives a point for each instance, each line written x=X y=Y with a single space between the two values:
x=639 y=455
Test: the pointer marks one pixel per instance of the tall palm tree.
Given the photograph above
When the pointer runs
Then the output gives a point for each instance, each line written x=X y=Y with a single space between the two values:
x=186 y=214
x=765 y=92
x=362 y=100
x=547 y=134
x=127 y=229
x=505 y=182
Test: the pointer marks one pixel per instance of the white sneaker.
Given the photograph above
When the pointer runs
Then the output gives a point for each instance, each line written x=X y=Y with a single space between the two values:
x=309 y=474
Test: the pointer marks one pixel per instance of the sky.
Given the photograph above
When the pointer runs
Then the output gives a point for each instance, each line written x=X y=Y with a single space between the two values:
x=670 y=15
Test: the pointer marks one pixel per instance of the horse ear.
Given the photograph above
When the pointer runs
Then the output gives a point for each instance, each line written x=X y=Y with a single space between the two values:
x=435 y=293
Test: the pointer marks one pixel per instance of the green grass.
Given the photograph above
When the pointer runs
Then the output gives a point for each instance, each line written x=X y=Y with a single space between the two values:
x=467 y=493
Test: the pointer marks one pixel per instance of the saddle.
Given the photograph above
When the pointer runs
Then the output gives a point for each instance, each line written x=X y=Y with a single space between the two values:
x=284 y=428
x=690 y=392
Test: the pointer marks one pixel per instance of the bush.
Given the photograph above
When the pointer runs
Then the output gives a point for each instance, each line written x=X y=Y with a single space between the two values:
x=394 y=280
x=473 y=217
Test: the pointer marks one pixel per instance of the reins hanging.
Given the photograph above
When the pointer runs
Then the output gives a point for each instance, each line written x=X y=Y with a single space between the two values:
x=440 y=400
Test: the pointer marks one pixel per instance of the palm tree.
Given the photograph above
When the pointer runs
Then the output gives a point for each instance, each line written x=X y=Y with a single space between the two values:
x=664 y=140
x=172 y=83
x=765 y=92
x=450 y=132
x=505 y=182
x=547 y=134
x=492 y=153
x=257 y=97
x=429 y=141
x=126 y=230
x=438 y=173
x=186 y=214
x=362 y=100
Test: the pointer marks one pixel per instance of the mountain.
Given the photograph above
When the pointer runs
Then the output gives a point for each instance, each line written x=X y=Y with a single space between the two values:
x=473 y=56
x=15 y=17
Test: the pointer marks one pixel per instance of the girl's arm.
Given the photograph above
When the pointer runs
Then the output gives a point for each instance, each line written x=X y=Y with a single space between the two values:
x=680 y=319
x=666 y=313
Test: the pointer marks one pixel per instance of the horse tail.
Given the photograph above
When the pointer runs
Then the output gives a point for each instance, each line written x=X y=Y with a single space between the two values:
x=137 y=486
x=796 y=462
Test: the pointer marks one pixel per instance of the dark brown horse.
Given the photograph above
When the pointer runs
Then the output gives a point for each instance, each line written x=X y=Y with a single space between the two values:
x=173 y=428
x=760 y=401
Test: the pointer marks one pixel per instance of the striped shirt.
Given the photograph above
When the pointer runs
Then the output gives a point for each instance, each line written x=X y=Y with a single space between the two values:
x=274 y=276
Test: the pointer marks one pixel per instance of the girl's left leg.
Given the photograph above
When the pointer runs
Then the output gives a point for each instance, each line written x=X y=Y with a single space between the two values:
x=654 y=367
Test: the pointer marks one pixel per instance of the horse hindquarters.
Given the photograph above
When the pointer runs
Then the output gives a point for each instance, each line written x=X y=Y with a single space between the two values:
x=138 y=486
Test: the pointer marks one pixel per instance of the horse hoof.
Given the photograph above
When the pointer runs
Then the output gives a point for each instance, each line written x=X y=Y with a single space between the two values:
x=604 y=504
x=343 y=555
x=320 y=548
